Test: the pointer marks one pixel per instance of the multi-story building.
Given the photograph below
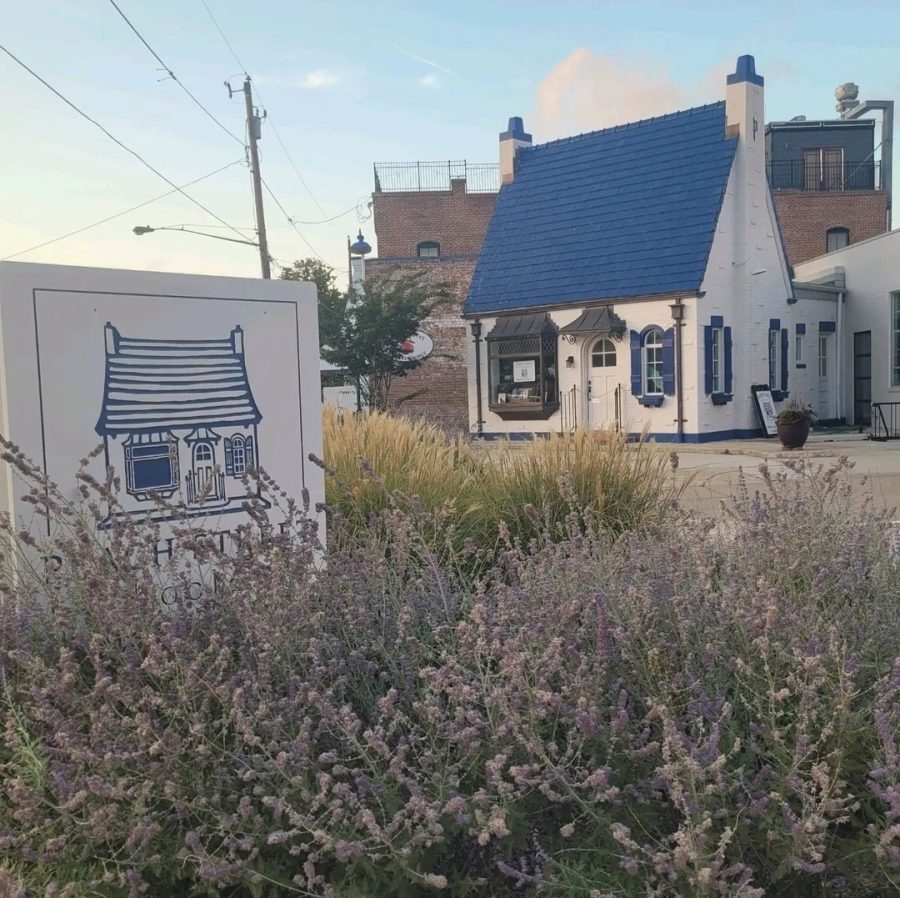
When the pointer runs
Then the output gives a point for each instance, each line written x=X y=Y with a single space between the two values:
x=432 y=217
x=830 y=179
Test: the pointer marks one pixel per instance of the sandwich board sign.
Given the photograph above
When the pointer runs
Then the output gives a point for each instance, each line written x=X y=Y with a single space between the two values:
x=765 y=408
x=187 y=382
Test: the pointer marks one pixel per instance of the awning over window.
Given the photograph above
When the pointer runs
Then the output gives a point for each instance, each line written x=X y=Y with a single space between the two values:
x=598 y=320
x=512 y=326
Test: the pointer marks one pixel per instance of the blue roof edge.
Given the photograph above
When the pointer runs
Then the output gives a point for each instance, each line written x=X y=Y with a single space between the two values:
x=679 y=113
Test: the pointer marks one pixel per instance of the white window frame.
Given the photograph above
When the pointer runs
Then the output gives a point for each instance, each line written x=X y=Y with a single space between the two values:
x=834 y=232
x=718 y=356
x=652 y=354
x=894 y=360
x=823 y=355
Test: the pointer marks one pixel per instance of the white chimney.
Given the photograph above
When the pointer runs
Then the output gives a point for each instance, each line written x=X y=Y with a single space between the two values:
x=510 y=140
x=744 y=105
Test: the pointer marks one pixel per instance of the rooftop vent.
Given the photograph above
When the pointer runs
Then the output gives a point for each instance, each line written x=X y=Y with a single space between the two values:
x=846 y=95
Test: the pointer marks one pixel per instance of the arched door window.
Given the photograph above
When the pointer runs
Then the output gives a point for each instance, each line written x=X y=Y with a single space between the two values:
x=603 y=354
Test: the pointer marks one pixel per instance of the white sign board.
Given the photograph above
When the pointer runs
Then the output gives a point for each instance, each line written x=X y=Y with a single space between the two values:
x=186 y=381
x=523 y=371
x=419 y=346
x=765 y=405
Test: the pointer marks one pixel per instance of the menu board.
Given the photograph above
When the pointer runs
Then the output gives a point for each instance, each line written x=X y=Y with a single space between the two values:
x=523 y=371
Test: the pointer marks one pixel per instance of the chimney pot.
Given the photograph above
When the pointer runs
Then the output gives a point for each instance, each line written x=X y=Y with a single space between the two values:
x=511 y=140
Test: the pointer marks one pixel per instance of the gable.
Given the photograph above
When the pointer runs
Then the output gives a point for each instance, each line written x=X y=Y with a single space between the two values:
x=627 y=211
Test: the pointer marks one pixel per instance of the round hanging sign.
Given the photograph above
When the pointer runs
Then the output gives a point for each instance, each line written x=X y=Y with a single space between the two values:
x=419 y=346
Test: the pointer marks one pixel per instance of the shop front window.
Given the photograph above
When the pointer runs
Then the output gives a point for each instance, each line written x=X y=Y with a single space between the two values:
x=523 y=374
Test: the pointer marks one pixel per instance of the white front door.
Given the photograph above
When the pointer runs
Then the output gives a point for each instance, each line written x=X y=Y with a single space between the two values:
x=603 y=381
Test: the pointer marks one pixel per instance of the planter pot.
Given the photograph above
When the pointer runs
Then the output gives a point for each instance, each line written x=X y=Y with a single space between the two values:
x=794 y=435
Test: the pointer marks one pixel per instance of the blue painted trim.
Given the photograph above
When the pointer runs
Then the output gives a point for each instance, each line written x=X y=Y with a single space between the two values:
x=721 y=398
x=709 y=437
x=717 y=321
x=827 y=327
x=779 y=395
x=712 y=436
x=801 y=364
x=801 y=328
x=774 y=324
x=654 y=401
x=745 y=71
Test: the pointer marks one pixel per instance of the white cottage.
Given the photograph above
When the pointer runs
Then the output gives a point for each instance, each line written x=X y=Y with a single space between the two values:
x=636 y=277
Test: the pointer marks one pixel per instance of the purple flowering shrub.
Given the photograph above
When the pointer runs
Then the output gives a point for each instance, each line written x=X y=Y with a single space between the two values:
x=707 y=708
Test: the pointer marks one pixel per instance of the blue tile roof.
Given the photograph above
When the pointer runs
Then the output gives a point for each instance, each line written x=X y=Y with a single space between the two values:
x=627 y=211
x=159 y=385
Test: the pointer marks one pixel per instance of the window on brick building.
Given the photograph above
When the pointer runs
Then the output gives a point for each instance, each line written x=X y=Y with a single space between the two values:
x=836 y=238
x=428 y=249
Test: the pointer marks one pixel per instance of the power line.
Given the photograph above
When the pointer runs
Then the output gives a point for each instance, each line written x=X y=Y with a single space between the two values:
x=222 y=35
x=102 y=221
x=291 y=221
x=116 y=140
x=172 y=75
x=290 y=158
x=281 y=143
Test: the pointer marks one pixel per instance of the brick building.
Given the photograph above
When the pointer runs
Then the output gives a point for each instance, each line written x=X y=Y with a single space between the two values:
x=432 y=217
x=831 y=179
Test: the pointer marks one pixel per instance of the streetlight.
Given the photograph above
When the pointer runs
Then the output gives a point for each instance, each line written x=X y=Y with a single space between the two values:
x=140 y=230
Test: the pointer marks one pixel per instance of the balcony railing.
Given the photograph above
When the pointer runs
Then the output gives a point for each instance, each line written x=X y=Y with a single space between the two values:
x=411 y=177
x=800 y=174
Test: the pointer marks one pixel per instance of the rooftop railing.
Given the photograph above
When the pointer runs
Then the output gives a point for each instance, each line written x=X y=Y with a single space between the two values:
x=411 y=177
x=800 y=174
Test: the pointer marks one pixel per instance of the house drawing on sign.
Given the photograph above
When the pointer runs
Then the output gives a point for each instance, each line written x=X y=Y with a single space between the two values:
x=179 y=418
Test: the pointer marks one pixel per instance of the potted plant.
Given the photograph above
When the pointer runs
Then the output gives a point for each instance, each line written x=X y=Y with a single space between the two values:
x=793 y=423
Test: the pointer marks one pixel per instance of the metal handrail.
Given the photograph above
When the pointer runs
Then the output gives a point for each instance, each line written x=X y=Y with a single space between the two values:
x=418 y=177
x=885 y=426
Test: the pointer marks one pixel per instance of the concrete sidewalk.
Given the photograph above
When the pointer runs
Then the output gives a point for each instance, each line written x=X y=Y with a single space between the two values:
x=716 y=466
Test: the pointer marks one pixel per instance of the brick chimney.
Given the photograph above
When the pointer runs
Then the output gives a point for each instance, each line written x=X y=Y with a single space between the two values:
x=510 y=140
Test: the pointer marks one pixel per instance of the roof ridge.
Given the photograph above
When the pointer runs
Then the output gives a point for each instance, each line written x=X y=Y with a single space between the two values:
x=625 y=125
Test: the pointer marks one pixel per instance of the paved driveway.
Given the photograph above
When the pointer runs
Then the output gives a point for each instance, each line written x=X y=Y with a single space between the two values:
x=715 y=467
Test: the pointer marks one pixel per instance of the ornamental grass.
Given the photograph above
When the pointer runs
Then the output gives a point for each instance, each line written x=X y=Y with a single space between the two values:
x=475 y=498
x=683 y=710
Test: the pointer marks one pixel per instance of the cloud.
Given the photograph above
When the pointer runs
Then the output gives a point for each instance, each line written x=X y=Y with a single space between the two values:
x=585 y=91
x=430 y=81
x=320 y=78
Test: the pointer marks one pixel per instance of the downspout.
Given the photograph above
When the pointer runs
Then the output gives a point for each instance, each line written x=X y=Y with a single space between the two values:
x=839 y=361
x=678 y=317
x=476 y=333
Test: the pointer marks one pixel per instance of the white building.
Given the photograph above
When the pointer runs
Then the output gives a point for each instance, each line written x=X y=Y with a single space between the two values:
x=862 y=283
x=636 y=277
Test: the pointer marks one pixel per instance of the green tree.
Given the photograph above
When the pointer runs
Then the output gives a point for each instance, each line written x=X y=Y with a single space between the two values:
x=363 y=332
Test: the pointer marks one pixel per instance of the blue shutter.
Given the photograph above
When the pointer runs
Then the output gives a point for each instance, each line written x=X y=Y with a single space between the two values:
x=229 y=458
x=729 y=377
x=668 y=354
x=250 y=459
x=636 y=374
x=707 y=359
x=784 y=360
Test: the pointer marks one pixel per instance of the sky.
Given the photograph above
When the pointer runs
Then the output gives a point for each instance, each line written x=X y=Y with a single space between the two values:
x=346 y=84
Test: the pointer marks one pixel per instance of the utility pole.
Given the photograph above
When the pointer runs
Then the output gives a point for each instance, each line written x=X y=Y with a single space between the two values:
x=254 y=130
